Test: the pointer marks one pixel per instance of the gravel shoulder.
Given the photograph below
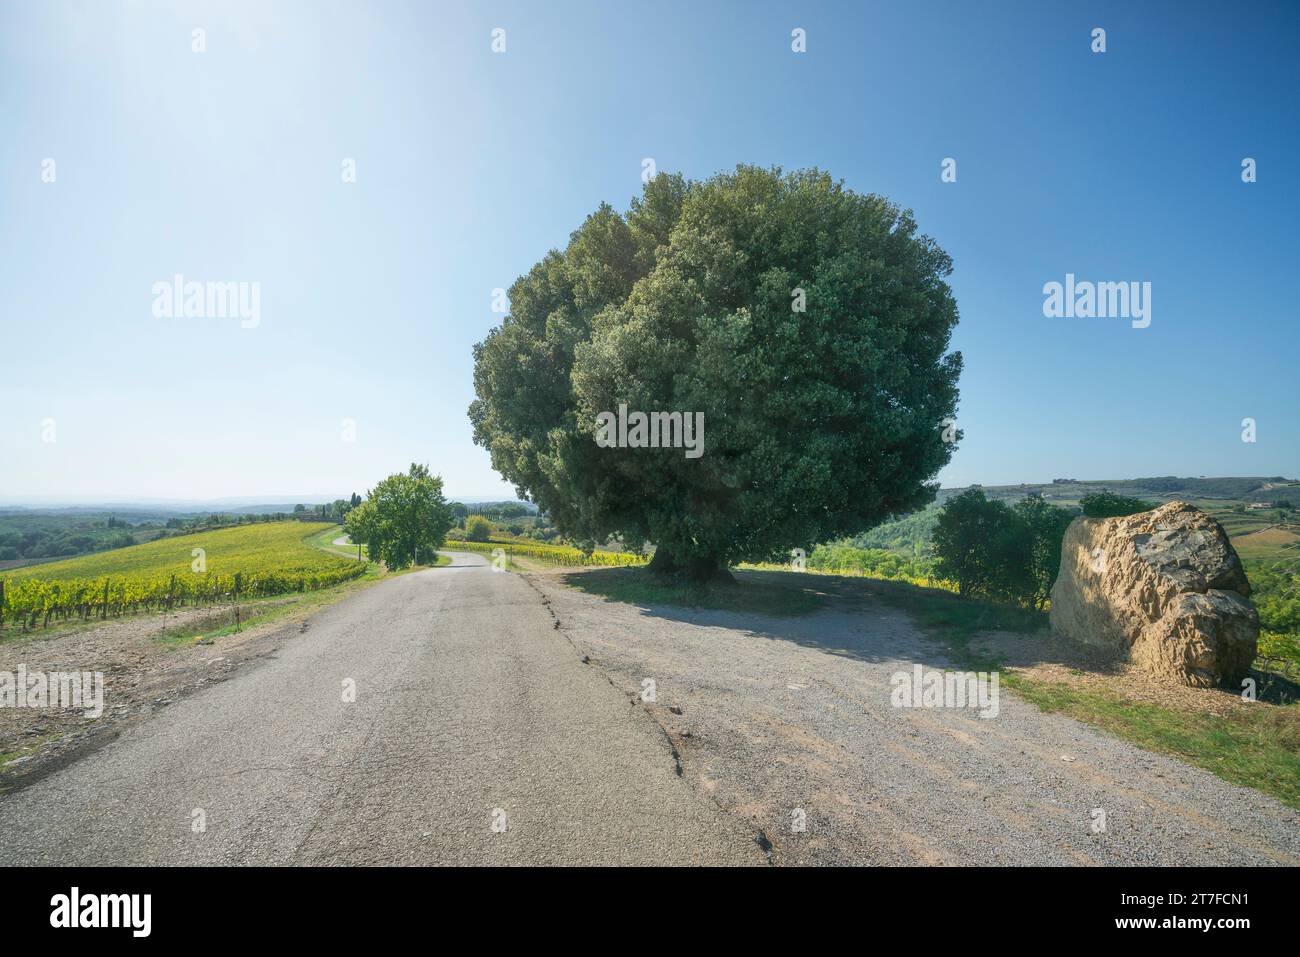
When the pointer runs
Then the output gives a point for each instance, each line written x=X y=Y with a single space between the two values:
x=789 y=720
x=148 y=662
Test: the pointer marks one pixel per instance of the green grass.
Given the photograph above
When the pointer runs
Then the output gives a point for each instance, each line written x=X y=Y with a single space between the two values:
x=1258 y=747
x=957 y=619
x=637 y=586
x=33 y=745
x=324 y=540
x=1269 y=544
x=7 y=756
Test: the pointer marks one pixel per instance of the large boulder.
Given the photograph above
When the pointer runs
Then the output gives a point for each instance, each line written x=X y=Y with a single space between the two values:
x=1163 y=587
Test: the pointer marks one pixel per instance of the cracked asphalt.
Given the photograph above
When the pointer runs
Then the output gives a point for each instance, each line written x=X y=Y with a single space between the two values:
x=477 y=736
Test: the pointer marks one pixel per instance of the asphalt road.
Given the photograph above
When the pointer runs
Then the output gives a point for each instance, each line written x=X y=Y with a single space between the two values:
x=477 y=736
x=767 y=739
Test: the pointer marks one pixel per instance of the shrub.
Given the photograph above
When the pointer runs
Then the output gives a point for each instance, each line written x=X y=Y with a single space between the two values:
x=1110 y=505
x=1045 y=526
x=994 y=550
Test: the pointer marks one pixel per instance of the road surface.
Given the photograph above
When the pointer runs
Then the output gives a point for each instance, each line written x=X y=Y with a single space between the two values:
x=498 y=719
x=477 y=736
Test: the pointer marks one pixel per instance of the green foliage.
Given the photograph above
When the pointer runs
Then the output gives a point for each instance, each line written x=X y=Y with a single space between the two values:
x=1275 y=588
x=842 y=557
x=1011 y=553
x=498 y=511
x=980 y=545
x=403 y=519
x=42 y=534
x=478 y=529
x=1044 y=526
x=818 y=423
x=1111 y=505
x=908 y=533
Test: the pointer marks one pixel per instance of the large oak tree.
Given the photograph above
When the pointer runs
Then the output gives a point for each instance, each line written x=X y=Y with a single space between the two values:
x=818 y=423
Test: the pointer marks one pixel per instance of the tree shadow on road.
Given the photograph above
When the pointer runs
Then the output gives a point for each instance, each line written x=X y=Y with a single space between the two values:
x=842 y=615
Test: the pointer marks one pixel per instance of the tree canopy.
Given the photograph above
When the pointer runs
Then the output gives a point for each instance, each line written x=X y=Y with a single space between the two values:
x=807 y=323
x=404 y=518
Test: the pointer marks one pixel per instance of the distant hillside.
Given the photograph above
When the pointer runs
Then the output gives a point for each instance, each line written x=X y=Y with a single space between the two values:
x=1061 y=491
x=1223 y=498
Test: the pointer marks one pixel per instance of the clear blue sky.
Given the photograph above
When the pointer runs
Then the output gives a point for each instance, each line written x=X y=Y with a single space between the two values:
x=226 y=165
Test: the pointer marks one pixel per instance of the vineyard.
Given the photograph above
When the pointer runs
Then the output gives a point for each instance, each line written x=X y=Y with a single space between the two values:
x=251 y=561
x=554 y=554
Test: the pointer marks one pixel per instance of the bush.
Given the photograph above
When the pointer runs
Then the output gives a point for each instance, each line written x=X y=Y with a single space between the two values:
x=1045 y=527
x=1110 y=505
x=998 y=551
x=478 y=529
x=979 y=545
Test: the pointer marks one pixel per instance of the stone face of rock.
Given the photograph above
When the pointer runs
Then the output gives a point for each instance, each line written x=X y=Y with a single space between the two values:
x=1163 y=587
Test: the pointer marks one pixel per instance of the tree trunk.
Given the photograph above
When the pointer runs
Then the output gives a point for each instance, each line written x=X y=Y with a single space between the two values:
x=698 y=570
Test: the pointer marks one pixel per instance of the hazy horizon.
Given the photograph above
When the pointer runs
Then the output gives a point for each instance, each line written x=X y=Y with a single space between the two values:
x=37 y=502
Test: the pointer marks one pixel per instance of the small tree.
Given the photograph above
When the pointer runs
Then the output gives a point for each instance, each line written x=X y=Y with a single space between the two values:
x=362 y=524
x=963 y=539
x=984 y=547
x=1045 y=527
x=1110 y=505
x=478 y=529
x=403 y=518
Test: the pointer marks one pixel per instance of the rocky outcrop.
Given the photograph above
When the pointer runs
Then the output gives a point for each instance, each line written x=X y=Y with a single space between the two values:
x=1164 y=587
